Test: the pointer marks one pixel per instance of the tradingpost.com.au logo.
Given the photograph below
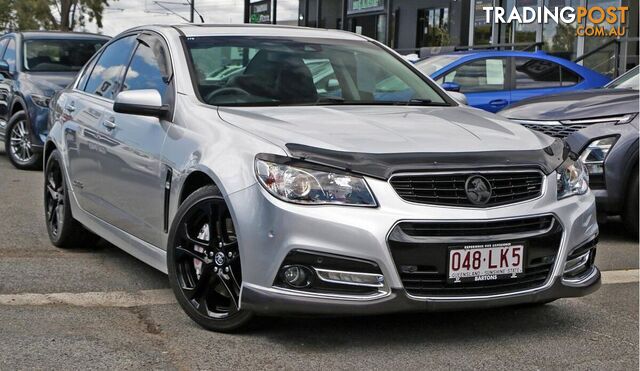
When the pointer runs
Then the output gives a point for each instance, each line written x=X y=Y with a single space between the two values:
x=604 y=22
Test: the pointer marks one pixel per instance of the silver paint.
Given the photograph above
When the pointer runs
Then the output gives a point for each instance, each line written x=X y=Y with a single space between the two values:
x=123 y=171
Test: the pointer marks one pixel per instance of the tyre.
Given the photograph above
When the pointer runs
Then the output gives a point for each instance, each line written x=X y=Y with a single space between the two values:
x=18 y=143
x=630 y=214
x=63 y=230
x=203 y=261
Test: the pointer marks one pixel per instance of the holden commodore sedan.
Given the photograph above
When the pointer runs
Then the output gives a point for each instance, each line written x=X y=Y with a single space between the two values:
x=264 y=193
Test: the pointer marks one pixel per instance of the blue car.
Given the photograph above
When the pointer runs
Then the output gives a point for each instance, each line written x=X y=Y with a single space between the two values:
x=492 y=80
x=33 y=67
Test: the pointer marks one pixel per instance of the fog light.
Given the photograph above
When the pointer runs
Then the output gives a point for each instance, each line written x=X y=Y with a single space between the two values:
x=350 y=278
x=296 y=276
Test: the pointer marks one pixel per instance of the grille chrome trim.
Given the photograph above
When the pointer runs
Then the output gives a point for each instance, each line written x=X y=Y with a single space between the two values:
x=541 y=193
x=396 y=230
x=558 y=130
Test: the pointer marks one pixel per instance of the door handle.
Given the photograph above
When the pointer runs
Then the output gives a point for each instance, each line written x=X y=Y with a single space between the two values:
x=110 y=124
x=70 y=107
x=499 y=102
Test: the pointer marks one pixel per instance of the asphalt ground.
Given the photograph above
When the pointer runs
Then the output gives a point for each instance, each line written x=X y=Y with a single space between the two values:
x=95 y=307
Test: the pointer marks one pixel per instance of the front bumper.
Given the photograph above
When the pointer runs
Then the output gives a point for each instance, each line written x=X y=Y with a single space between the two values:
x=271 y=229
x=277 y=302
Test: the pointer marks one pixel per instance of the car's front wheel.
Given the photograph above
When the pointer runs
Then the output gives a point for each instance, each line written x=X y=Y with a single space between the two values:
x=203 y=261
x=19 y=144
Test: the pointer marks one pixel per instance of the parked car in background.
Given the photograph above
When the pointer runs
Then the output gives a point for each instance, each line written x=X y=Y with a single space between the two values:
x=34 y=65
x=262 y=192
x=492 y=80
x=602 y=126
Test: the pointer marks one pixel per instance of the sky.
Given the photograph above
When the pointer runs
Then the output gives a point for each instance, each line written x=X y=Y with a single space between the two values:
x=124 y=14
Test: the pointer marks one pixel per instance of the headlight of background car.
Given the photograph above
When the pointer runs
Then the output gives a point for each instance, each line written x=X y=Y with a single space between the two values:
x=309 y=186
x=593 y=157
x=573 y=178
x=41 y=100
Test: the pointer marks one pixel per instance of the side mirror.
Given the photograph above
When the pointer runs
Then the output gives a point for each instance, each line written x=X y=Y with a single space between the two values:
x=145 y=102
x=451 y=86
x=458 y=97
x=4 y=67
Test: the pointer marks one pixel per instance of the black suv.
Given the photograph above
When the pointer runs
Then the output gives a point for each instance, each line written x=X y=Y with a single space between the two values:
x=33 y=67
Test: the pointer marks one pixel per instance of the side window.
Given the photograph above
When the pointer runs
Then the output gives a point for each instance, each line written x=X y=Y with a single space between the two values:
x=324 y=77
x=479 y=75
x=148 y=69
x=569 y=78
x=10 y=54
x=3 y=44
x=82 y=82
x=534 y=73
x=107 y=72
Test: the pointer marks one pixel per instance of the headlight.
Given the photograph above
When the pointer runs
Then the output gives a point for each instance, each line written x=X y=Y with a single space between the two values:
x=41 y=100
x=573 y=179
x=596 y=152
x=309 y=185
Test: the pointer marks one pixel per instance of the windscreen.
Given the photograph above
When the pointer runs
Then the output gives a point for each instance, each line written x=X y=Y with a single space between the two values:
x=630 y=80
x=49 y=55
x=302 y=71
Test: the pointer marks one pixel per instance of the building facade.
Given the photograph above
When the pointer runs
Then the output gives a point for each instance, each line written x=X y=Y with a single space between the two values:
x=409 y=25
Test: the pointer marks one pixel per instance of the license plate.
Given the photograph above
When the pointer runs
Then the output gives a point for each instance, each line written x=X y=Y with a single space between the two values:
x=485 y=262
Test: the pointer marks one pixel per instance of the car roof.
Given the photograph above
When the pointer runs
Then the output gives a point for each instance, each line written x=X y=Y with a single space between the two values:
x=61 y=35
x=494 y=53
x=192 y=30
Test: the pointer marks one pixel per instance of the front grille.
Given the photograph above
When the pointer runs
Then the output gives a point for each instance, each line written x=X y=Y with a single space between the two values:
x=449 y=189
x=488 y=228
x=558 y=131
x=421 y=258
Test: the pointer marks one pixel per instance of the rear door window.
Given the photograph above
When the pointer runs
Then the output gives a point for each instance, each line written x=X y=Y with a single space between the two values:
x=534 y=73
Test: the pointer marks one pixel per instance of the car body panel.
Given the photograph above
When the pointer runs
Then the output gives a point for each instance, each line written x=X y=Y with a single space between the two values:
x=222 y=143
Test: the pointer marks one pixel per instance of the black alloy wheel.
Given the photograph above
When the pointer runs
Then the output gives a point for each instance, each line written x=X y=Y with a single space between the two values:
x=54 y=198
x=64 y=231
x=203 y=260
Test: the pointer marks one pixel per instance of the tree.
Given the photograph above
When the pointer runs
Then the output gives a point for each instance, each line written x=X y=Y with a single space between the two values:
x=63 y=15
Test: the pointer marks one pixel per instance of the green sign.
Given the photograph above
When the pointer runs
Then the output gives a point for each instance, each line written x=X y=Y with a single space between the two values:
x=362 y=6
x=260 y=12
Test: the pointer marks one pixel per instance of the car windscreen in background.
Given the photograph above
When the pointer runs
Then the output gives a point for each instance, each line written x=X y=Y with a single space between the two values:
x=51 y=55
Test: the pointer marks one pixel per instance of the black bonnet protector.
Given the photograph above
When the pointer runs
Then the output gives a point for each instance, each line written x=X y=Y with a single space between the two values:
x=383 y=165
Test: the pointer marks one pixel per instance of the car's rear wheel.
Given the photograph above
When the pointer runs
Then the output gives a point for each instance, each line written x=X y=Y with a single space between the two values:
x=63 y=230
x=203 y=260
x=630 y=215
x=18 y=143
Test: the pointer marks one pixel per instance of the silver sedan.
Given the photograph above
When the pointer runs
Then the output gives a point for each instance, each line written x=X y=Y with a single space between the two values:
x=273 y=170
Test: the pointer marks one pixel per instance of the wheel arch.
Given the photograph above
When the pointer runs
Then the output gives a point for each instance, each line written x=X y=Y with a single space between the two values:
x=18 y=104
x=49 y=147
x=629 y=169
x=195 y=180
